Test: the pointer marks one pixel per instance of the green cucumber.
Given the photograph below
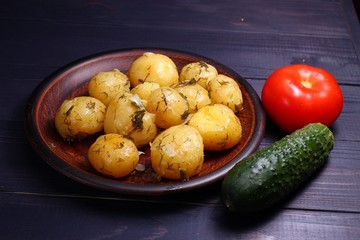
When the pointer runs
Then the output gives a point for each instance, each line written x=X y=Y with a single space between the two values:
x=273 y=172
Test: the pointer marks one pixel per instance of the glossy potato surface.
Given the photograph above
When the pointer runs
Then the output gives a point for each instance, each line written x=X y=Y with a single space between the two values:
x=177 y=153
x=225 y=90
x=153 y=67
x=106 y=85
x=80 y=117
x=113 y=155
x=195 y=94
x=218 y=125
x=201 y=72
x=169 y=107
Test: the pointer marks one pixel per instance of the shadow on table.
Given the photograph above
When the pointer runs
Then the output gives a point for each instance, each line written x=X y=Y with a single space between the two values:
x=238 y=221
x=357 y=8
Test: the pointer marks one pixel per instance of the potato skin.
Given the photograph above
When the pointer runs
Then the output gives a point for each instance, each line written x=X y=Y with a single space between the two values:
x=153 y=67
x=218 y=125
x=80 y=117
x=169 y=107
x=201 y=71
x=119 y=115
x=195 y=94
x=177 y=153
x=146 y=131
x=143 y=90
x=106 y=85
x=225 y=90
x=113 y=155
x=125 y=117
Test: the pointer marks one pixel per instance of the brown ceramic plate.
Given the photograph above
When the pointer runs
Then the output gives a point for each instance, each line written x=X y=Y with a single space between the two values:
x=71 y=159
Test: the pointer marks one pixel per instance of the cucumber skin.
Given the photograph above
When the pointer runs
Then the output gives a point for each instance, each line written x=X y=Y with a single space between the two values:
x=270 y=174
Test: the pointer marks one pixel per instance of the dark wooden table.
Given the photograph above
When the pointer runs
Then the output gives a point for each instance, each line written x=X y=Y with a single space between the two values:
x=251 y=37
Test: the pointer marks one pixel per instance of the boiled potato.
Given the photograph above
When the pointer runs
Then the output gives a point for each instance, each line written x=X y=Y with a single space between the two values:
x=177 y=153
x=144 y=90
x=201 y=71
x=80 y=117
x=113 y=155
x=195 y=94
x=145 y=129
x=225 y=90
x=218 y=125
x=119 y=115
x=169 y=107
x=105 y=85
x=125 y=115
x=153 y=67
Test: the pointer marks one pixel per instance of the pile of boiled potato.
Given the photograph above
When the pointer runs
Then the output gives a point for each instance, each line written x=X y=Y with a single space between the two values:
x=180 y=114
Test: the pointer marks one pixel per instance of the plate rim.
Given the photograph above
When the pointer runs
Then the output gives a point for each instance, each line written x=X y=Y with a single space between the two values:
x=114 y=185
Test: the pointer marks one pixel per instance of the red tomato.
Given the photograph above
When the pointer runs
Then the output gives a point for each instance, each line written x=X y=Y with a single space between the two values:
x=299 y=94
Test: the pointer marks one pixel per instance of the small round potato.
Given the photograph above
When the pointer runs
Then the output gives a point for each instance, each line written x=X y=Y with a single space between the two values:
x=80 y=117
x=119 y=115
x=169 y=107
x=105 y=85
x=144 y=90
x=218 y=125
x=145 y=129
x=200 y=71
x=196 y=95
x=177 y=153
x=225 y=90
x=153 y=67
x=113 y=155
x=126 y=116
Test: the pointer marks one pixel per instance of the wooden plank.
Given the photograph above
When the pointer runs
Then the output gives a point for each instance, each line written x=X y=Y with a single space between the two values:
x=333 y=188
x=306 y=17
x=54 y=217
x=352 y=13
x=253 y=55
x=39 y=203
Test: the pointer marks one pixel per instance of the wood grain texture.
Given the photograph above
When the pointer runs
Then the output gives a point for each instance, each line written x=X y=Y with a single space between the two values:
x=334 y=188
x=253 y=55
x=251 y=37
x=71 y=159
x=226 y=16
x=113 y=219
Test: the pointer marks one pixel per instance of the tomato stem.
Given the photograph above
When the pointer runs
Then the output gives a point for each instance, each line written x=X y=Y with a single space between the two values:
x=306 y=84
